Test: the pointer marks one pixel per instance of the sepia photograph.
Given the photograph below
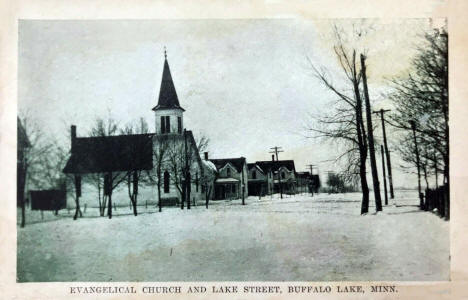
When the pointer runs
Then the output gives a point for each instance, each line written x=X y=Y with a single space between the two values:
x=213 y=150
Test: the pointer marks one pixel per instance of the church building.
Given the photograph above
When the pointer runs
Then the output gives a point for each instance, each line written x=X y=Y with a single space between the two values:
x=166 y=159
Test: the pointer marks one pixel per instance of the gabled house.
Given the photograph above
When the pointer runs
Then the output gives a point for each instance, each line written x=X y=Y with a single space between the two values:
x=283 y=173
x=231 y=180
x=260 y=181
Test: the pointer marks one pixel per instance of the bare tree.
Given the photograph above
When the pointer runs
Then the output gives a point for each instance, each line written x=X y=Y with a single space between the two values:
x=421 y=97
x=345 y=123
x=136 y=176
x=155 y=175
x=102 y=127
x=182 y=158
x=370 y=136
x=43 y=161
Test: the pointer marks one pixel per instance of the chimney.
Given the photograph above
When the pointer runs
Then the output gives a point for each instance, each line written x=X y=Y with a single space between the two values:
x=206 y=155
x=73 y=137
x=272 y=157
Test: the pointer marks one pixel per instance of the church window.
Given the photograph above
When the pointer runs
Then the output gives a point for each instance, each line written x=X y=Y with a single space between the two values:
x=163 y=125
x=168 y=124
x=179 y=124
x=166 y=182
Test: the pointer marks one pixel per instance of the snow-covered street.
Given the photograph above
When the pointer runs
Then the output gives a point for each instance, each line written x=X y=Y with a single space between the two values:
x=298 y=238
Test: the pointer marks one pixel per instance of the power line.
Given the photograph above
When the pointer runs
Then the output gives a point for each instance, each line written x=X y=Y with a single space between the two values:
x=276 y=150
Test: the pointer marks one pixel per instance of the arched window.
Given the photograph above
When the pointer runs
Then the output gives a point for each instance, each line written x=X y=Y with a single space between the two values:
x=283 y=176
x=228 y=172
x=166 y=182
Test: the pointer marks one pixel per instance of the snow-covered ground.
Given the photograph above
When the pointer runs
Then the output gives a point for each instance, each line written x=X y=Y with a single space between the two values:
x=298 y=238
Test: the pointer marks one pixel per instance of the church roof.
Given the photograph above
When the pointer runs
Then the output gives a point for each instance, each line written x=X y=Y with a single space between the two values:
x=111 y=154
x=167 y=93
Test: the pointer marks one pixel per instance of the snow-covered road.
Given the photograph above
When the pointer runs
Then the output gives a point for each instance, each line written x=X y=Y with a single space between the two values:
x=298 y=238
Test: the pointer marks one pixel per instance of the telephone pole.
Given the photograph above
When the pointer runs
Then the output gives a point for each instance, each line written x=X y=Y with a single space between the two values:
x=387 y=153
x=311 y=178
x=276 y=150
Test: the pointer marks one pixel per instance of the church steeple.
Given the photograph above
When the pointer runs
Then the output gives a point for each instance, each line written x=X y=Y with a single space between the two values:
x=168 y=113
x=167 y=93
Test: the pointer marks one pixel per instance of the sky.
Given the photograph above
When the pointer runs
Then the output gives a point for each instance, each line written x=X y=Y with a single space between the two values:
x=247 y=85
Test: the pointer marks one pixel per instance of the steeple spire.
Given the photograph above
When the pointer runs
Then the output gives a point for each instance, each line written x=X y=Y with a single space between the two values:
x=167 y=93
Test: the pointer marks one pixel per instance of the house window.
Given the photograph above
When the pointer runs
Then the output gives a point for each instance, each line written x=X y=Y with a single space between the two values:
x=196 y=182
x=179 y=124
x=233 y=188
x=254 y=174
x=166 y=182
x=283 y=176
x=168 y=124
x=228 y=172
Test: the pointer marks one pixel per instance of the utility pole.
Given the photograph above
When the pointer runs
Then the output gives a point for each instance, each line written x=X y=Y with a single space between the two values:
x=243 y=186
x=370 y=135
x=387 y=153
x=280 y=183
x=276 y=150
x=383 y=174
x=413 y=127
x=311 y=178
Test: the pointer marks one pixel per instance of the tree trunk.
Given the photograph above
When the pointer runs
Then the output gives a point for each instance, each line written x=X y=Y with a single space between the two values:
x=370 y=136
x=159 y=197
x=418 y=164
x=206 y=195
x=361 y=136
x=77 y=197
x=104 y=205
x=134 y=205
x=188 y=186
x=109 y=206
x=182 y=193
x=23 y=213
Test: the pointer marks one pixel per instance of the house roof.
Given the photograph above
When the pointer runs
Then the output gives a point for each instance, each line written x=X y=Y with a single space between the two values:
x=270 y=165
x=167 y=93
x=111 y=154
x=238 y=163
x=254 y=165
